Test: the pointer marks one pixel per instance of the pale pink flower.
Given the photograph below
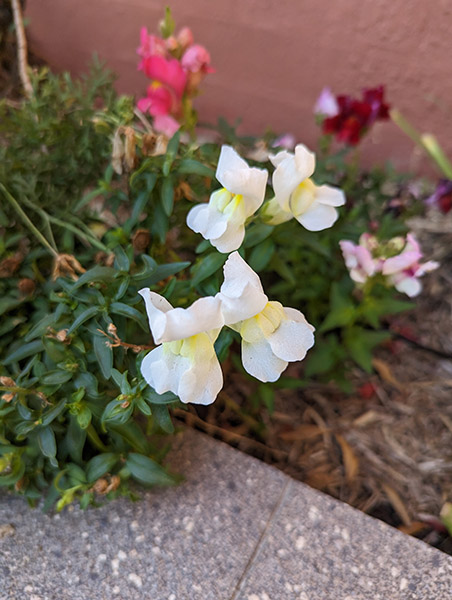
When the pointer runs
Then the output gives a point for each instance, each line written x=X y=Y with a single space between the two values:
x=404 y=270
x=358 y=258
x=196 y=58
x=286 y=141
x=326 y=104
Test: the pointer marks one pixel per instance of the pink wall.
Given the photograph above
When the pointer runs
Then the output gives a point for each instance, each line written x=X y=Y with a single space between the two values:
x=274 y=56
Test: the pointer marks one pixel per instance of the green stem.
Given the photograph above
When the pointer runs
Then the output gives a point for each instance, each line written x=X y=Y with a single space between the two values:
x=82 y=235
x=86 y=236
x=27 y=221
x=45 y=218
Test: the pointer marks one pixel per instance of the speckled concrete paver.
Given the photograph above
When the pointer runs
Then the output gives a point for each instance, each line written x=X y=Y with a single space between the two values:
x=237 y=529
x=317 y=548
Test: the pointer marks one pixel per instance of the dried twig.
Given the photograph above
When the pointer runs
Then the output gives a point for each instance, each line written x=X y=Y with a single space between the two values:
x=21 y=48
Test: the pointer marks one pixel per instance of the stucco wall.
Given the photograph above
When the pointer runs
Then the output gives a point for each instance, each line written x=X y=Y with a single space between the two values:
x=274 y=56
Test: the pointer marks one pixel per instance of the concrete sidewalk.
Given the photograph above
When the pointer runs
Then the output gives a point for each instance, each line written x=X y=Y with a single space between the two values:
x=237 y=529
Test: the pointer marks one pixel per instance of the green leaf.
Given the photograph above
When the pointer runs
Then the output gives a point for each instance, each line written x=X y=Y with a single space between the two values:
x=145 y=408
x=147 y=471
x=154 y=398
x=342 y=310
x=100 y=464
x=171 y=152
x=122 y=261
x=207 y=266
x=51 y=414
x=117 y=414
x=104 y=354
x=167 y=195
x=267 y=395
x=41 y=327
x=95 y=275
x=17 y=469
x=56 y=377
x=162 y=416
x=84 y=417
x=47 y=444
x=118 y=308
x=75 y=439
x=159 y=224
x=360 y=344
x=87 y=314
x=257 y=233
x=121 y=381
x=261 y=255
x=24 y=352
x=190 y=166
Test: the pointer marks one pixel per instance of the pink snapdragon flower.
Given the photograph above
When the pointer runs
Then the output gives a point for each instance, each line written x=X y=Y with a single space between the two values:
x=358 y=257
x=176 y=66
x=401 y=270
x=404 y=270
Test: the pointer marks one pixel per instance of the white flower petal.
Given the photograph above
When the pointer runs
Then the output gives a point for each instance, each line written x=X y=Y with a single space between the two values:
x=290 y=171
x=409 y=286
x=231 y=239
x=229 y=161
x=238 y=178
x=207 y=221
x=293 y=338
x=168 y=324
x=260 y=362
x=326 y=194
x=241 y=294
x=197 y=379
x=201 y=383
x=318 y=217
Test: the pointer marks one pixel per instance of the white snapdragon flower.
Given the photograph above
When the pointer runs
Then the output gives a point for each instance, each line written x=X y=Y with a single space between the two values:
x=272 y=335
x=185 y=363
x=296 y=195
x=222 y=219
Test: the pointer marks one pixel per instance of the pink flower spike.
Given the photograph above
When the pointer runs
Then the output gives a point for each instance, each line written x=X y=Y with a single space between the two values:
x=195 y=59
x=326 y=104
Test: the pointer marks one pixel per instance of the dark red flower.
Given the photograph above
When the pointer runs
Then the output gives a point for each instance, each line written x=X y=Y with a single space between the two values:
x=356 y=116
x=442 y=196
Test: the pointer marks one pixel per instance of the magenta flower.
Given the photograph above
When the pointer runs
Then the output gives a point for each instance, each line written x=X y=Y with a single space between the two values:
x=167 y=71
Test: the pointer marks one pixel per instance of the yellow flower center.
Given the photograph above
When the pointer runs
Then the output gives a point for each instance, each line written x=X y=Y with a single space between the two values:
x=263 y=324
x=232 y=205
x=302 y=197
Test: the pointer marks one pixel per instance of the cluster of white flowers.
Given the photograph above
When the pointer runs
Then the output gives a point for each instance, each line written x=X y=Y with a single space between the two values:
x=222 y=220
x=185 y=362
